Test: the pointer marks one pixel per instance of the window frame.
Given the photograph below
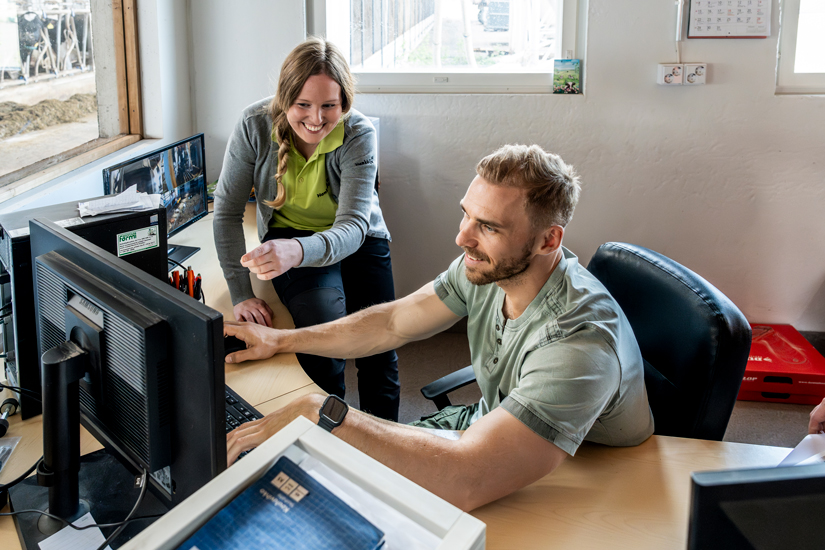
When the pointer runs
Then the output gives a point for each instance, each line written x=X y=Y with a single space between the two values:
x=573 y=41
x=787 y=81
x=117 y=77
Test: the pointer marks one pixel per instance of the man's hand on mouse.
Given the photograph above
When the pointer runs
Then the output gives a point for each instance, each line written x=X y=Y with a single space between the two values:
x=260 y=341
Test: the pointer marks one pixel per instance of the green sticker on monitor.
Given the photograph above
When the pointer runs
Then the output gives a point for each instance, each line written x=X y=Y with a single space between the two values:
x=137 y=241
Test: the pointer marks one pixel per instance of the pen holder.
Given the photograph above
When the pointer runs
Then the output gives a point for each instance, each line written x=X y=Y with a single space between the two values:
x=187 y=282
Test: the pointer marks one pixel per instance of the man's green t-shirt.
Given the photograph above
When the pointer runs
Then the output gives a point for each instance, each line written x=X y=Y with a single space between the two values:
x=569 y=367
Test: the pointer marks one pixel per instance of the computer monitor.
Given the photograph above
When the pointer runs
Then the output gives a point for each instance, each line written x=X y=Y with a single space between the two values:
x=152 y=391
x=136 y=237
x=178 y=173
x=759 y=509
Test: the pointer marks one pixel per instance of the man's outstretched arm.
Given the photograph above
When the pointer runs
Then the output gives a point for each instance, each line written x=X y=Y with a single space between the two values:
x=373 y=330
x=494 y=457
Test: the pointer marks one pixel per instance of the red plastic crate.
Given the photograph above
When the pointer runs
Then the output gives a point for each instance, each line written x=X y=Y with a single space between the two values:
x=782 y=367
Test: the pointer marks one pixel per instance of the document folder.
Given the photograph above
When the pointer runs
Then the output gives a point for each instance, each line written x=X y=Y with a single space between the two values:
x=284 y=510
x=303 y=443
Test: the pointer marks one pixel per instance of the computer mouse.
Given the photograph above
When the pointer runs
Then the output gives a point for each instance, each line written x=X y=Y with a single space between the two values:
x=232 y=344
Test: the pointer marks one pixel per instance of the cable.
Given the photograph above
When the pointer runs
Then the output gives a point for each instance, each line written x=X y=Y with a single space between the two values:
x=30 y=393
x=680 y=11
x=177 y=264
x=121 y=524
x=23 y=476
x=143 y=484
x=75 y=527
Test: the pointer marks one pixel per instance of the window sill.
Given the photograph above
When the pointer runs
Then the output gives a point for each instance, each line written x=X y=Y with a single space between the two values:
x=800 y=90
x=485 y=90
x=455 y=83
x=39 y=173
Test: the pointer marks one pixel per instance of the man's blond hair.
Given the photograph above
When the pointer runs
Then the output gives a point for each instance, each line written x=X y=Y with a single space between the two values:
x=551 y=187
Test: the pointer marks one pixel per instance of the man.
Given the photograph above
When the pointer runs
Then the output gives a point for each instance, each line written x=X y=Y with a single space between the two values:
x=555 y=358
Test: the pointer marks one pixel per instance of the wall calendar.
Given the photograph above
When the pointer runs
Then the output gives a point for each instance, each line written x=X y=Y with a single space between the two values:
x=729 y=19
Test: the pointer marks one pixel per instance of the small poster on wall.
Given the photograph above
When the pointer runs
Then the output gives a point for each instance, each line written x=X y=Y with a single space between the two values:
x=567 y=76
x=729 y=19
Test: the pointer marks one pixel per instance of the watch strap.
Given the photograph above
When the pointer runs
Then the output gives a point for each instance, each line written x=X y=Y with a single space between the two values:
x=326 y=423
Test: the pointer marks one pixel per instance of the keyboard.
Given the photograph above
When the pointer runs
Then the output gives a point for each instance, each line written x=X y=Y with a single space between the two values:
x=238 y=411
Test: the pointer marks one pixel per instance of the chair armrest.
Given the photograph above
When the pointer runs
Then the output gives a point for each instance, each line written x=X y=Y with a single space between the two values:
x=437 y=391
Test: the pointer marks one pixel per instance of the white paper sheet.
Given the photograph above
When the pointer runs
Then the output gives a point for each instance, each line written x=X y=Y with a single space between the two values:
x=72 y=539
x=128 y=201
x=400 y=532
x=810 y=450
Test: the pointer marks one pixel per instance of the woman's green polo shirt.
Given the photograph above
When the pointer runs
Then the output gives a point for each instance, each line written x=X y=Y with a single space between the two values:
x=309 y=204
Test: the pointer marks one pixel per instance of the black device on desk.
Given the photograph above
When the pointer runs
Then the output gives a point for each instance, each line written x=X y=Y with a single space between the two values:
x=142 y=366
x=758 y=509
x=178 y=173
x=22 y=363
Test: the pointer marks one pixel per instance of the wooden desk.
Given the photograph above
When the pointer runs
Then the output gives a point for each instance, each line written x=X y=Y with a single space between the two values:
x=267 y=385
x=604 y=497
x=619 y=498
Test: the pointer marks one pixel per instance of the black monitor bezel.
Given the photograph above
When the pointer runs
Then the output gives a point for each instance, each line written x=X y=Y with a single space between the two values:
x=107 y=173
x=768 y=489
x=199 y=446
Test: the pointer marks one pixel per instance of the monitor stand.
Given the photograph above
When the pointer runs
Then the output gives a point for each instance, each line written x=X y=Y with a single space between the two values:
x=66 y=484
x=179 y=253
x=105 y=484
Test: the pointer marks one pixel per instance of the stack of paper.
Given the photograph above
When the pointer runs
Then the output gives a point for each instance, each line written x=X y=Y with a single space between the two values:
x=128 y=201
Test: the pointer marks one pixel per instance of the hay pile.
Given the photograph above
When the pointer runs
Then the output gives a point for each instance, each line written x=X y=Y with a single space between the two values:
x=18 y=119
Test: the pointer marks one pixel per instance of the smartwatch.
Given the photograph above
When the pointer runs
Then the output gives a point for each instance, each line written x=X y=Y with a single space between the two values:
x=332 y=412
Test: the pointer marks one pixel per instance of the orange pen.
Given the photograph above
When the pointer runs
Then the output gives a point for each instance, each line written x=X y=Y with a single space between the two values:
x=190 y=281
x=176 y=279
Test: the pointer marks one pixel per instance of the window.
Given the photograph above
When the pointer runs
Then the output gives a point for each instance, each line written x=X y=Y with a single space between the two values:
x=801 y=65
x=459 y=46
x=69 y=88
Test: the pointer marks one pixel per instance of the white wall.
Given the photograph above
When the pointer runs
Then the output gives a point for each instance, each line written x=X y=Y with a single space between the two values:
x=727 y=179
x=238 y=48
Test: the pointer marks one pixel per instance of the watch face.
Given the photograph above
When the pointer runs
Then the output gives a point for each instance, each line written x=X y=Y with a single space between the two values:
x=334 y=409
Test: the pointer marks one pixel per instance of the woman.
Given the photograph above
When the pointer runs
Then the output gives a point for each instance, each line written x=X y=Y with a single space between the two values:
x=311 y=159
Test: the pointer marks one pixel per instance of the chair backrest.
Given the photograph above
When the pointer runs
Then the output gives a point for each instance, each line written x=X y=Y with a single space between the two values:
x=694 y=340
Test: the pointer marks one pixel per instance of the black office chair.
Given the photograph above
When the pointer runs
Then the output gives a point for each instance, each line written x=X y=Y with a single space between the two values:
x=694 y=340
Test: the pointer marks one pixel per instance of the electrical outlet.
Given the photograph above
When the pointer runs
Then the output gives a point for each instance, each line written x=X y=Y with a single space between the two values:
x=670 y=74
x=695 y=73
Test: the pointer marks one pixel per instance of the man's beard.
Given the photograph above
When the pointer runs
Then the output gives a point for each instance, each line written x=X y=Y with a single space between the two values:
x=509 y=269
